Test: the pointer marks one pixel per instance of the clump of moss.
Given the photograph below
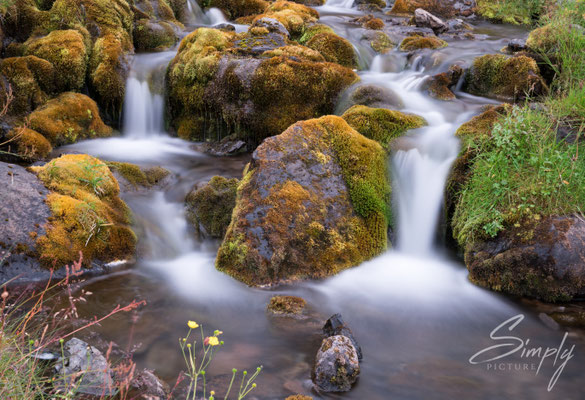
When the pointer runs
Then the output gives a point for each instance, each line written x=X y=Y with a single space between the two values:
x=513 y=78
x=152 y=35
x=28 y=144
x=281 y=228
x=295 y=17
x=31 y=79
x=543 y=40
x=299 y=52
x=439 y=86
x=510 y=11
x=69 y=118
x=67 y=52
x=209 y=208
x=137 y=176
x=334 y=49
x=413 y=43
x=313 y=30
x=381 y=43
x=239 y=8
x=370 y=22
x=380 y=124
x=87 y=213
x=436 y=7
x=288 y=305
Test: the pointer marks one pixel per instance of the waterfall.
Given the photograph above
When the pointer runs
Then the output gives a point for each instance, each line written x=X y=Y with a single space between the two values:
x=340 y=3
x=215 y=16
x=143 y=110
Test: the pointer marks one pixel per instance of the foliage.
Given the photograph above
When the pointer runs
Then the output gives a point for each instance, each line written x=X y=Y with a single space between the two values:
x=511 y=11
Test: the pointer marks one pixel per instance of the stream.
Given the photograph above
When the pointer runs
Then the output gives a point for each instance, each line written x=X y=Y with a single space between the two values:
x=413 y=311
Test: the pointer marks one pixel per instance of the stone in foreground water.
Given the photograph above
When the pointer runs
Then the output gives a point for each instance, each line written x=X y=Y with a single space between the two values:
x=336 y=365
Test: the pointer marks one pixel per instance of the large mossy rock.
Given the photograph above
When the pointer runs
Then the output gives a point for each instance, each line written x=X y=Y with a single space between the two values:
x=413 y=43
x=380 y=124
x=334 y=49
x=66 y=50
x=31 y=79
x=543 y=259
x=25 y=145
x=254 y=84
x=506 y=78
x=313 y=201
x=87 y=214
x=68 y=118
x=234 y=9
x=209 y=208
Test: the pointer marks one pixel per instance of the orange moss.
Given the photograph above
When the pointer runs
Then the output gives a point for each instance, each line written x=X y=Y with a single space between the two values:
x=69 y=118
x=87 y=213
x=286 y=305
x=29 y=144
x=239 y=8
x=66 y=51
x=412 y=43
x=334 y=49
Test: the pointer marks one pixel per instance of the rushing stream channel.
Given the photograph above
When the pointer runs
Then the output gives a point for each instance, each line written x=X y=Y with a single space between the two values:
x=415 y=314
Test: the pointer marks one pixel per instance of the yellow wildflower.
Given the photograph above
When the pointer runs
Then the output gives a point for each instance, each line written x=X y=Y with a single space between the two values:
x=192 y=324
x=213 y=341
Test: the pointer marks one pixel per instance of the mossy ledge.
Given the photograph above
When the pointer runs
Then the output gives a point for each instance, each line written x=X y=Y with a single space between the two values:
x=326 y=213
x=88 y=215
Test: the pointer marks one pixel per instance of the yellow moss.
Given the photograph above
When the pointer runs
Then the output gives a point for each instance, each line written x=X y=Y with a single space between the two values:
x=239 y=8
x=87 y=213
x=31 y=79
x=334 y=49
x=380 y=124
x=137 y=176
x=543 y=40
x=381 y=43
x=313 y=30
x=67 y=52
x=299 y=52
x=69 y=118
x=30 y=145
x=295 y=17
x=151 y=35
x=412 y=43
x=286 y=305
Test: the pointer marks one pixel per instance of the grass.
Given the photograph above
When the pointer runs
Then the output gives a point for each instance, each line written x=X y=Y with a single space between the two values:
x=524 y=170
x=511 y=11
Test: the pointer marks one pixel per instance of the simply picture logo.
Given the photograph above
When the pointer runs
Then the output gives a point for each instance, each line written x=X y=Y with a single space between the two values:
x=532 y=358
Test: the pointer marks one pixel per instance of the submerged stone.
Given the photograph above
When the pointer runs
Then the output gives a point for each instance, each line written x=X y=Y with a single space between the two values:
x=336 y=365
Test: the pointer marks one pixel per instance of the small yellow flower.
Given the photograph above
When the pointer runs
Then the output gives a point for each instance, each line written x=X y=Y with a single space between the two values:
x=192 y=324
x=213 y=341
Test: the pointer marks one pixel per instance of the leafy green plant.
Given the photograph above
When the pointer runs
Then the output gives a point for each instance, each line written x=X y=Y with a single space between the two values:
x=93 y=175
x=196 y=367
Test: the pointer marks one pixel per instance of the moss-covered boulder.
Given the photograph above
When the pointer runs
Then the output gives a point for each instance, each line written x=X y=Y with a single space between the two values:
x=542 y=259
x=439 y=86
x=133 y=177
x=369 y=95
x=68 y=118
x=510 y=12
x=209 y=208
x=381 y=43
x=413 y=43
x=153 y=35
x=31 y=80
x=543 y=40
x=26 y=144
x=295 y=17
x=334 y=49
x=253 y=84
x=506 y=78
x=313 y=201
x=67 y=52
x=312 y=30
x=286 y=305
x=87 y=215
x=380 y=124
x=234 y=9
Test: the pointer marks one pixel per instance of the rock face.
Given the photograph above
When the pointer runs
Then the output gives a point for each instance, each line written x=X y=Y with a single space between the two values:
x=506 y=78
x=439 y=86
x=336 y=326
x=545 y=259
x=209 y=208
x=313 y=201
x=251 y=85
x=86 y=369
x=425 y=19
x=336 y=365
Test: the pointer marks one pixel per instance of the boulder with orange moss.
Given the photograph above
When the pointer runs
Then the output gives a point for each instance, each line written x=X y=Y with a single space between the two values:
x=251 y=85
x=313 y=201
x=87 y=214
x=68 y=118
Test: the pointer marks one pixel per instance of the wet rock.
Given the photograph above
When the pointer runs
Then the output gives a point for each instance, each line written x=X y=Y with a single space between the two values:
x=371 y=96
x=413 y=43
x=425 y=19
x=312 y=202
x=86 y=369
x=286 y=305
x=443 y=8
x=336 y=365
x=272 y=24
x=226 y=147
x=516 y=45
x=334 y=49
x=543 y=258
x=381 y=42
x=506 y=78
x=439 y=86
x=377 y=3
x=369 y=22
x=336 y=326
x=209 y=208
x=241 y=8
x=458 y=25
x=153 y=35
x=132 y=177
x=147 y=386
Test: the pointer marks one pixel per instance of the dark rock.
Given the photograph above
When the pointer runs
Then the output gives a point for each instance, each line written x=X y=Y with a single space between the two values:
x=336 y=326
x=439 y=86
x=371 y=96
x=336 y=365
x=544 y=259
x=425 y=19
x=273 y=25
x=147 y=386
x=226 y=147
x=86 y=369
x=516 y=45
x=225 y=27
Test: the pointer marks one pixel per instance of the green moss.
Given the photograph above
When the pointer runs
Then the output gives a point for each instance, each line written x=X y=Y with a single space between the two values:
x=67 y=52
x=137 y=176
x=69 y=118
x=295 y=17
x=239 y=8
x=334 y=49
x=510 y=11
x=290 y=305
x=151 y=35
x=210 y=207
x=512 y=78
x=31 y=80
x=87 y=213
x=380 y=124
x=412 y=43
x=28 y=144
x=313 y=30
x=543 y=40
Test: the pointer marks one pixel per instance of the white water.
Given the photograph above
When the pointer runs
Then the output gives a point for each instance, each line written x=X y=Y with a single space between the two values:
x=340 y=3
